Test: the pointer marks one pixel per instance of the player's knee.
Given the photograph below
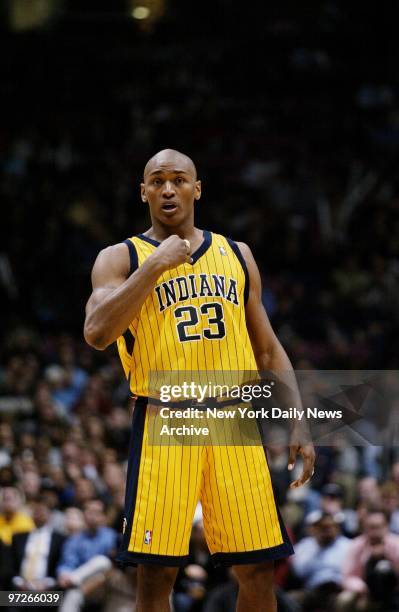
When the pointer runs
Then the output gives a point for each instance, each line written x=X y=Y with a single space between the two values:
x=152 y=577
x=258 y=576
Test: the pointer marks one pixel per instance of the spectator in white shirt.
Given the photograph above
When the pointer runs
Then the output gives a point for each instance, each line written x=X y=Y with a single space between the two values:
x=318 y=559
x=36 y=554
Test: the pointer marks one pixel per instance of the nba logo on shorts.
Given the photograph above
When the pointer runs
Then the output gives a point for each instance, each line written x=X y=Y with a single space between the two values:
x=124 y=525
x=147 y=536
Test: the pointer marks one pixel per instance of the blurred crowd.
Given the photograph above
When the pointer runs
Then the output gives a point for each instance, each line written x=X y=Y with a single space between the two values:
x=300 y=162
x=64 y=437
x=302 y=166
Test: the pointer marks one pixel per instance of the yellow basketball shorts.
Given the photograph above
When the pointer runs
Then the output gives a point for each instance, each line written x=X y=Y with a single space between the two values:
x=164 y=483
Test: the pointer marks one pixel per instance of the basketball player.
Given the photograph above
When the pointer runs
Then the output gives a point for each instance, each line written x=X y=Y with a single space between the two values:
x=179 y=298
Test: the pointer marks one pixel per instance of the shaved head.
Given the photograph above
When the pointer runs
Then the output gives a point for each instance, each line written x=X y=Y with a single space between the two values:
x=168 y=158
x=170 y=187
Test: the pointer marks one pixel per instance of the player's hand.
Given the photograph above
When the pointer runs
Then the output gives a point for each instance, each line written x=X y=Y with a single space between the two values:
x=307 y=452
x=173 y=251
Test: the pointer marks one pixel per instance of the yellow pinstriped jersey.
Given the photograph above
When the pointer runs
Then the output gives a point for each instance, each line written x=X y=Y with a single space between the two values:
x=194 y=318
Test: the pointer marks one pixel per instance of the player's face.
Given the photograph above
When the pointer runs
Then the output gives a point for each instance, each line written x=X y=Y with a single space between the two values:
x=170 y=190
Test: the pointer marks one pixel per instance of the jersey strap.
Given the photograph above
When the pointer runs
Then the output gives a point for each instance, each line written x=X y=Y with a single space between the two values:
x=134 y=262
x=241 y=259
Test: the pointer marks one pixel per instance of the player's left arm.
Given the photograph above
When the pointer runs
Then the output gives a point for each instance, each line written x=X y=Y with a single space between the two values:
x=270 y=355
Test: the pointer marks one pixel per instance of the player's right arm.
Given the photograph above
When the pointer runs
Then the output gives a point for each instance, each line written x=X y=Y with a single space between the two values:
x=117 y=297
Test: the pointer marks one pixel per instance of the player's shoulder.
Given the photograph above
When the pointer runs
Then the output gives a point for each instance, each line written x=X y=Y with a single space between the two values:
x=244 y=248
x=114 y=252
x=115 y=257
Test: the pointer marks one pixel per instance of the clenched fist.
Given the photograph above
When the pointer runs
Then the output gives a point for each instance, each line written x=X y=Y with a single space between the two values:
x=173 y=251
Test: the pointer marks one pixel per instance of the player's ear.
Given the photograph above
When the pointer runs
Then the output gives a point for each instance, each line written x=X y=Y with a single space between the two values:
x=197 y=193
x=143 y=193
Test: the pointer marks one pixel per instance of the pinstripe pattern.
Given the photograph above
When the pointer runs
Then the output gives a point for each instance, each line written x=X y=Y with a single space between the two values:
x=157 y=345
x=232 y=481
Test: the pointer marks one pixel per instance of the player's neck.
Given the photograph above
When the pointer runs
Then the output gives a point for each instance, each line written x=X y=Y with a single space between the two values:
x=160 y=232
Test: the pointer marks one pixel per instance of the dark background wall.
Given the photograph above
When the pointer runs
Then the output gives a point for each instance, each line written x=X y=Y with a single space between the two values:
x=289 y=111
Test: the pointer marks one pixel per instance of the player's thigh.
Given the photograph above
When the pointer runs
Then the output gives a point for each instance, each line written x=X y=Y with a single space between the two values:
x=240 y=512
x=163 y=485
